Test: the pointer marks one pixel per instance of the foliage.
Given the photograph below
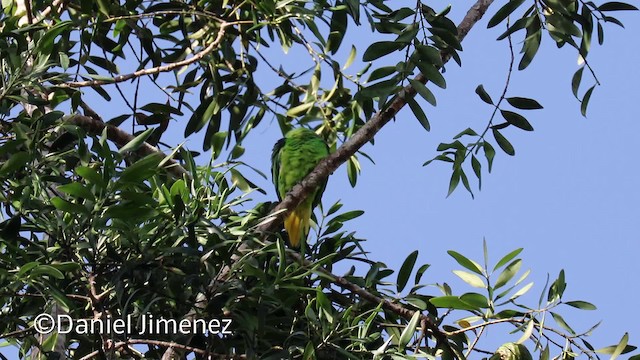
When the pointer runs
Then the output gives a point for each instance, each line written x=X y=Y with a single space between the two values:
x=97 y=225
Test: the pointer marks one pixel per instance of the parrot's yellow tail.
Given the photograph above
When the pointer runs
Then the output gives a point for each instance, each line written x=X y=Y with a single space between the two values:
x=297 y=225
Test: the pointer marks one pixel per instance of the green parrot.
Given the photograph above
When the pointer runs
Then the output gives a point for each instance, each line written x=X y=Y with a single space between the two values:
x=293 y=158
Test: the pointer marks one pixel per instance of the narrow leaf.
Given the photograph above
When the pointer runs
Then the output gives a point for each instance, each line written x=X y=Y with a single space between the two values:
x=471 y=279
x=581 y=305
x=616 y=6
x=409 y=331
x=136 y=142
x=508 y=273
x=585 y=101
x=505 y=259
x=504 y=144
x=503 y=12
x=483 y=94
x=405 y=270
x=420 y=115
x=516 y=120
x=524 y=103
x=466 y=262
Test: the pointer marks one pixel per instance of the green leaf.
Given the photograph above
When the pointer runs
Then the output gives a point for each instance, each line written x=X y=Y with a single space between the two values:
x=475 y=299
x=467 y=131
x=380 y=49
x=483 y=94
x=420 y=115
x=64 y=60
x=380 y=88
x=129 y=211
x=455 y=179
x=344 y=217
x=418 y=303
x=429 y=54
x=26 y=268
x=466 y=262
x=505 y=259
x=46 y=270
x=600 y=34
x=557 y=288
x=524 y=103
x=471 y=279
x=518 y=25
x=158 y=108
x=522 y=291
x=353 y=169
x=581 y=305
x=503 y=12
x=141 y=169
x=575 y=81
x=424 y=91
x=67 y=266
x=508 y=273
x=477 y=169
x=545 y=353
x=91 y=176
x=527 y=332
x=197 y=120
x=68 y=207
x=432 y=74
x=409 y=331
x=46 y=42
x=300 y=109
x=352 y=56
x=405 y=270
x=563 y=324
x=382 y=72
x=451 y=302
x=136 y=142
x=77 y=190
x=241 y=181
x=489 y=153
x=516 y=120
x=585 y=101
x=616 y=6
x=504 y=144
x=421 y=271
x=618 y=349
x=14 y=162
x=530 y=48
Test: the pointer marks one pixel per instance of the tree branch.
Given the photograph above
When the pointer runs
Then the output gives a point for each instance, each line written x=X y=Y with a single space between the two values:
x=159 y=69
x=121 y=138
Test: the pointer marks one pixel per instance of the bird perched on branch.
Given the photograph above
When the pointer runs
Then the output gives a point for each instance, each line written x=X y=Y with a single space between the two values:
x=293 y=158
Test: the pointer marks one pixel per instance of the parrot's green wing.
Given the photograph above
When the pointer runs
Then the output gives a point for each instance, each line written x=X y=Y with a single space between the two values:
x=275 y=164
x=321 y=187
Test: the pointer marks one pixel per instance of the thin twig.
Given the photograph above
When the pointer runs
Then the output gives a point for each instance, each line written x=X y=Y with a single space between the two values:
x=165 y=68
